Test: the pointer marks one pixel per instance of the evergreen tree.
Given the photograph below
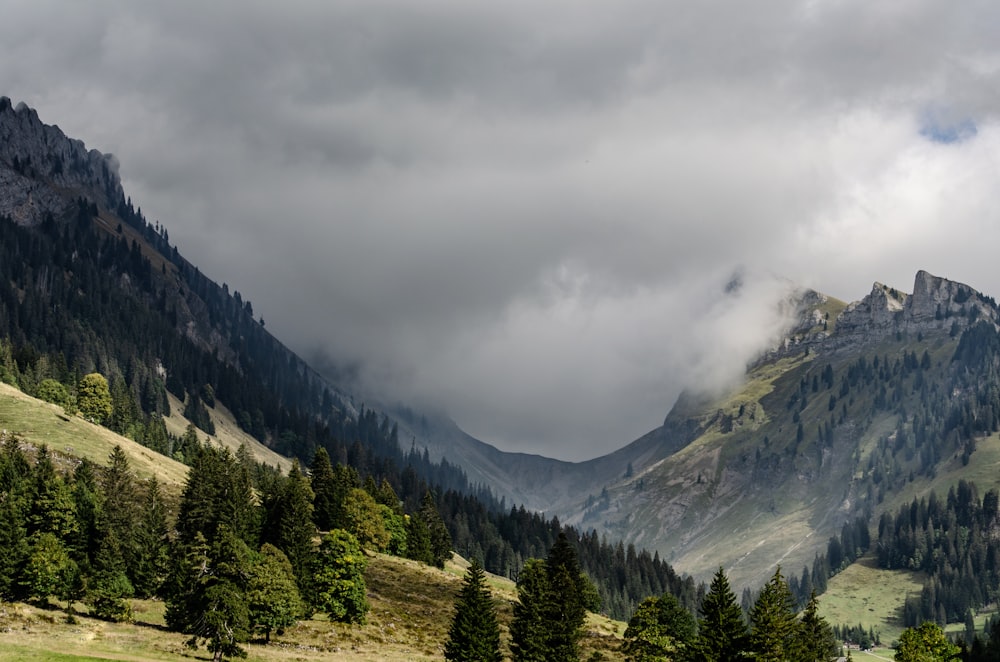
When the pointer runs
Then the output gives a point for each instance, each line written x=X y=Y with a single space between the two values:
x=774 y=630
x=440 y=539
x=324 y=490
x=474 y=635
x=661 y=630
x=722 y=634
x=818 y=643
x=290 y=525
x=567 y=602
x=211 y=604
x=548 y=619
x=529 y=629
x=151 y=561
x=119 y=513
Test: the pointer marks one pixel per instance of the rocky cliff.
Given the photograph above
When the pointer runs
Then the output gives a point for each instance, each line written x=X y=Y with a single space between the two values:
x=42 y=171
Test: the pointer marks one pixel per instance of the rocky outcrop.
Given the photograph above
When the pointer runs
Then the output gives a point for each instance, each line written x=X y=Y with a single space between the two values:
x=42 y=171
x=936 y=305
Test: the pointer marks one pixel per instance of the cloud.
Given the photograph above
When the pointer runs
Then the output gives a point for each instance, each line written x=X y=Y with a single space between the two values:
x=526 y=214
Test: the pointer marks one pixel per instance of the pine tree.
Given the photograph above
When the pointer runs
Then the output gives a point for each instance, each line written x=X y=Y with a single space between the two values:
x=210 y=601
x=774 y=630
x=474 y=635
x=722 y=634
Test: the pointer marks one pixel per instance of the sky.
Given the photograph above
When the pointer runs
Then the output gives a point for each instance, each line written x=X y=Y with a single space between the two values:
x=526 y=214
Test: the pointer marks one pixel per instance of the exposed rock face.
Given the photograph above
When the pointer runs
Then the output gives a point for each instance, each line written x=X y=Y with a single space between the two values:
x=42 y=171
x=937 y=304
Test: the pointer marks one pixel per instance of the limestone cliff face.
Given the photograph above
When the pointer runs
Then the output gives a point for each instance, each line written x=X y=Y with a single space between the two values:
x=42 y=171
x=937 y=304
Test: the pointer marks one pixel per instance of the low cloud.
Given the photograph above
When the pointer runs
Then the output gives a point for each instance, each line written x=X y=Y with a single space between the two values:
x=527 y=215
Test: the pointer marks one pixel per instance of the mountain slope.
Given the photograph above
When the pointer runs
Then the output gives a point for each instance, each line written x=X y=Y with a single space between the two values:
x=842 y=420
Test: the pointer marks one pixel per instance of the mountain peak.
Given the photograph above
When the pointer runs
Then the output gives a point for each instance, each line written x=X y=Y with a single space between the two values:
x=42 y=171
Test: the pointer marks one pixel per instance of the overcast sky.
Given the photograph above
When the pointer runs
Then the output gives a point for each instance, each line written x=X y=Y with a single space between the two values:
x=526 y=213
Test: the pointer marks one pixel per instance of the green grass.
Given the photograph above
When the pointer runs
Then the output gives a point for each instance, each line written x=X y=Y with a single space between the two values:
x=37 y=423
x=411 y=610
x=867 y=595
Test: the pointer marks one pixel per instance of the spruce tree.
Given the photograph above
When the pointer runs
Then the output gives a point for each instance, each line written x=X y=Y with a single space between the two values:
x=474 y=635
x=774 y=630
x=549 y=615
x=151 y=561
x=722 y=634
x=324 y=488
x=529 y=629
x=440 y=539
x=818 y=642
x=290 y=525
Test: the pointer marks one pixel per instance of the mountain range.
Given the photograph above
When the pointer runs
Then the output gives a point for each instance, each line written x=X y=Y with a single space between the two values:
x=853 y=410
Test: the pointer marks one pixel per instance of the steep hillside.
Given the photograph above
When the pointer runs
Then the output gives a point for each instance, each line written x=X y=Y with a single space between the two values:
x=846 y=417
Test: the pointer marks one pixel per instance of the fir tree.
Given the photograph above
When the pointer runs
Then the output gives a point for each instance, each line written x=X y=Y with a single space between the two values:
x=151 y=561
x=567 y=606
x=474 y=635
x=529 y=629
x=290 y=525
x=818 y=643
x=774 y=630
x=323 y=485
x=722 y=634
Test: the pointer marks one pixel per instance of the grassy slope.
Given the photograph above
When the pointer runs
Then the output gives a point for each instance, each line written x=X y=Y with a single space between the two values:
x=411 y=603
x=411 y=610
x=227 y=433
x=38 y=423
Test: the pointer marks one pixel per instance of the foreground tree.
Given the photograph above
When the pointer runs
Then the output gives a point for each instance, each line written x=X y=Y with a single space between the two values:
x=722 y=634
x=661 y=630
x=528 y=630
x=552 y=598
x=272 y=597
x=818 y=642
x=926 y=643
x=774 y=630
x=210 y=601
x=474 y=635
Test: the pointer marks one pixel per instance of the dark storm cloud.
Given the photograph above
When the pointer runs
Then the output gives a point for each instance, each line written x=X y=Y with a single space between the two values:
x=526 y=213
